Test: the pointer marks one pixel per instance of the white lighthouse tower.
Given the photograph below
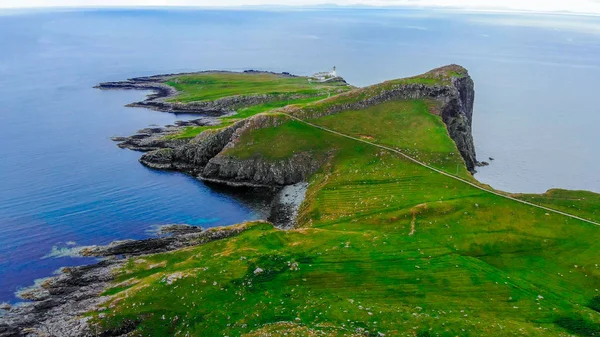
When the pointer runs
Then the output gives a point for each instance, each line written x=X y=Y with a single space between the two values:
x=325 y=75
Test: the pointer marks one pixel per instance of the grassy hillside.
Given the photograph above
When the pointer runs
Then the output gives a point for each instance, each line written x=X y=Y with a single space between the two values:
x=386 y=247
x=211 y=86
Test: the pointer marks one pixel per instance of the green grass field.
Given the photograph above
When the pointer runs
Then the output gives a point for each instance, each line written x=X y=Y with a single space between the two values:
x=212 y=86
x=385 y=248
x=193 y=131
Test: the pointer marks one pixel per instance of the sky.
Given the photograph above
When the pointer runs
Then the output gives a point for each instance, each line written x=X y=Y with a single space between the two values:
x=577 y=6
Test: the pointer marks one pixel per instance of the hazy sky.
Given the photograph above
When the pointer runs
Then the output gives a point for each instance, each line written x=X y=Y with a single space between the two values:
x=579 y=6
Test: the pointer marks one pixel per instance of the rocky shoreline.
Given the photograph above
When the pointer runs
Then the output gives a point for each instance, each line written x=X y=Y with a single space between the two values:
x=156 y=137
x=56 y=305
x=162 y=92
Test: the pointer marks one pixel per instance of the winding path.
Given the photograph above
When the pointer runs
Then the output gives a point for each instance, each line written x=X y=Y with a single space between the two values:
x=442 y=172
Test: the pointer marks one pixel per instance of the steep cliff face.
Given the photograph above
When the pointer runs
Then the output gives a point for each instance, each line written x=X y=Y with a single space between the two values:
x=259 y=171
x=206 y=158
x=194 y=155
x=457 y=114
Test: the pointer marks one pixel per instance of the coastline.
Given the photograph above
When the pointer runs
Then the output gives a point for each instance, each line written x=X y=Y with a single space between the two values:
x=58 y=303
x=162 y=92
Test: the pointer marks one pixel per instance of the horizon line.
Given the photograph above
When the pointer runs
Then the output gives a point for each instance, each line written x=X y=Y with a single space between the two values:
x=477 y=9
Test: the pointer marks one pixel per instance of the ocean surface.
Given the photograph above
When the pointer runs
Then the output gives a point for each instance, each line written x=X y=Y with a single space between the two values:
x=64 y=183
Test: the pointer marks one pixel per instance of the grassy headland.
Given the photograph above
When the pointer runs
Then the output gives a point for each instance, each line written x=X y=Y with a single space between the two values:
x=385 y=247
x=213 y=86
x=284 y=89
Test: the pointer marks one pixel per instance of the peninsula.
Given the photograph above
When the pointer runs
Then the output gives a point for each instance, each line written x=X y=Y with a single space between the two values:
x=380 y=227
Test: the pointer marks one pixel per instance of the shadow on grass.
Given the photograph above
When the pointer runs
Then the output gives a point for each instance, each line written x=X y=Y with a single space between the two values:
x=578 y=326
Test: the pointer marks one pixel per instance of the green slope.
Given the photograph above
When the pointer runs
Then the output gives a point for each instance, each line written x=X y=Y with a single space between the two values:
x=385 y=246
x=215 y=85
x=212 y=86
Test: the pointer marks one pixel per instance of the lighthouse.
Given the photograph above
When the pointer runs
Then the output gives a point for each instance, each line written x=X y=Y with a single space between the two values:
x=333 y=72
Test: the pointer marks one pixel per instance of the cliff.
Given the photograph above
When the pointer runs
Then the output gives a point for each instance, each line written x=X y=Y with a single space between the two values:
x=450 y=85
x=207 y=157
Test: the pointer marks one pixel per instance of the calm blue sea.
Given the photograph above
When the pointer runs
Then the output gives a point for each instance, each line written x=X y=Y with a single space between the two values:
x=63 y=183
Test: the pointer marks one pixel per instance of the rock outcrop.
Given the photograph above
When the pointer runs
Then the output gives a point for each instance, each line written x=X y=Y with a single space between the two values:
x=257 y=170
x=154 y=138
x=205 y=157
x=193 y=156
x=457 y=114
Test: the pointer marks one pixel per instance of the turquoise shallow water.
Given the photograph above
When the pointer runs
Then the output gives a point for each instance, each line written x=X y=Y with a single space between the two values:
x=64 y=183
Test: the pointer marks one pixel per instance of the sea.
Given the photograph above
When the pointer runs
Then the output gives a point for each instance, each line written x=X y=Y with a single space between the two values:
x=64 y=184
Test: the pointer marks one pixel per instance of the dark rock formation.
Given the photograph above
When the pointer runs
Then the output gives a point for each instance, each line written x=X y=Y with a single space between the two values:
x=457 y=114
x=217 y=107
x=58 y=304
x=155 y=138
x=204 y=157
x=257 y=170
x=181 y=236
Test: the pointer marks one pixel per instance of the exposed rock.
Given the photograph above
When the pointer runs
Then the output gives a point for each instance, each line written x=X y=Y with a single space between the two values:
x=161 y=159
x=182 y=236
x=286 y=205
x=194 y=156
x=178 y=229
x=260 y=171
x=162 y=92
x=155 y=138
x=457 y=114
x=205 y=157
x=58 y=304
